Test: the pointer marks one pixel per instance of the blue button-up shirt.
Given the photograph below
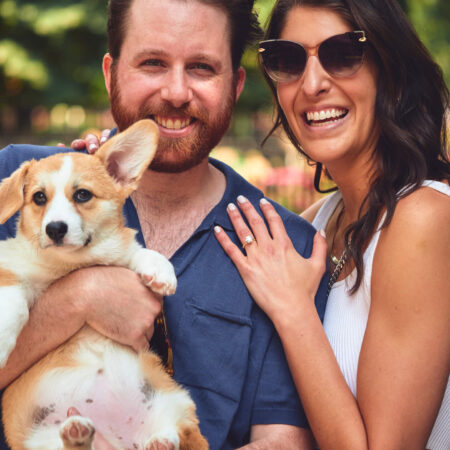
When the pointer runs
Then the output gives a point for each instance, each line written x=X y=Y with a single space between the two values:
x=226 y=351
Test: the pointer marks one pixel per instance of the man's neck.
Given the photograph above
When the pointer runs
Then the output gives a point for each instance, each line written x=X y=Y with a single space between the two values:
x=172 y=206
x=193 y=186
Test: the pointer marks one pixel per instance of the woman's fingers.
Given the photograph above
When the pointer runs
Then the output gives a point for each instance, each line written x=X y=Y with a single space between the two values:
x=319 y=252
x=257 y=228
x=243 y=232
x=233 y=252
x=276 y=225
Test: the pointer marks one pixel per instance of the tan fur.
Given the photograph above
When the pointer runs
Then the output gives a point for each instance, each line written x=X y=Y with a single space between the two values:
x=7 y=278
x=107 y=176
x=11 y=192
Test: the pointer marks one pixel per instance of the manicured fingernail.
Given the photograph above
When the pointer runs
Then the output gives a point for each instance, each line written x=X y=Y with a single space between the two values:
x=92 y=147
x=231 y=207
x=241 y=199
x=263 y=201
x=323 y=234
x=103 y=139
x=217 y=229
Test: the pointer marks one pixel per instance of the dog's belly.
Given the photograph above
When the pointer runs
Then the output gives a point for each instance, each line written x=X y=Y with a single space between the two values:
x=109 y=388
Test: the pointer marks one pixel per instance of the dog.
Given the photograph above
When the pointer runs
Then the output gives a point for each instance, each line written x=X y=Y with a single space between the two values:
x=71 y=217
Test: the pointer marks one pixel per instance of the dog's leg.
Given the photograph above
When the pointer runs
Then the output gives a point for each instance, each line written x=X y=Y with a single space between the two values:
x=43 y=438
x=13 y=316
x=77 y=433
x=156 y=271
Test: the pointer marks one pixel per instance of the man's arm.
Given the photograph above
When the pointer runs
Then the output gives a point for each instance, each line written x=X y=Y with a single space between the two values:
x=280 y=437
x=112 y=300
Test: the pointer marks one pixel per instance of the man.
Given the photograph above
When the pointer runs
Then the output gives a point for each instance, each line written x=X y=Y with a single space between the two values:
x=177 y=62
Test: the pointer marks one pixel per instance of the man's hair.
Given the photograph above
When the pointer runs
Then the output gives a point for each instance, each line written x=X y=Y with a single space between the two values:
x=411 y=102
x=244 y=26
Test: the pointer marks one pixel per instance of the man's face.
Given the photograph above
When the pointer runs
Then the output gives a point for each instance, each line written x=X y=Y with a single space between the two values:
x=175 y=68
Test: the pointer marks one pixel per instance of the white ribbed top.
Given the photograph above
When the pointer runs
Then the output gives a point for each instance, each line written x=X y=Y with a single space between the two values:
x=346 y=318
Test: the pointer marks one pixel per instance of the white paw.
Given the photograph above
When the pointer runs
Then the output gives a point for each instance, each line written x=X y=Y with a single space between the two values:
x=157 y=272
x=164 y=440
x=77 y=431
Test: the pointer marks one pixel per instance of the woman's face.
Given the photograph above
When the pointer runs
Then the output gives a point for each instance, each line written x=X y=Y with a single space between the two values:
x=351 y=130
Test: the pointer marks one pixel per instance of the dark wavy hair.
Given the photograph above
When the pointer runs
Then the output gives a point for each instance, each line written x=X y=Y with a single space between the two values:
x=244 y=26
x=410 y=110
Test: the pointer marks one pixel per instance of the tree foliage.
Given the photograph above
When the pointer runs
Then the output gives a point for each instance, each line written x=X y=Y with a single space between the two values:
x=51 y=52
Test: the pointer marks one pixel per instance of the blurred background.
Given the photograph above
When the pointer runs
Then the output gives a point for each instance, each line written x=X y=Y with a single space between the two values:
x=52 y=90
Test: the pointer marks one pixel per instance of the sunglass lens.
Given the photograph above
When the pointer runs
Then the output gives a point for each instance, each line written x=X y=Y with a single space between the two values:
x=341 y=55
x=283 y=60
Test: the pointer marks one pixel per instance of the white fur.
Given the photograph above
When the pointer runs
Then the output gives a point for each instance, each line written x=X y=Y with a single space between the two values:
x=13 y=316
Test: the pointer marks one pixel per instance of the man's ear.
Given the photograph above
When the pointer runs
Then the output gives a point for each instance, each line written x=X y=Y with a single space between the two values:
x=11 y=192
x=240 y=81
x=106 y=66
x=127 y=155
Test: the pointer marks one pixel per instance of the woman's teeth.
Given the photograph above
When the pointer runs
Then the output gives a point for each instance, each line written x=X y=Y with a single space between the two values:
x=325 y=116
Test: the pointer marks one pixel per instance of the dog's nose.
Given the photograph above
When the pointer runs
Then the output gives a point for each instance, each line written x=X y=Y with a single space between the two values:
x=56 y=231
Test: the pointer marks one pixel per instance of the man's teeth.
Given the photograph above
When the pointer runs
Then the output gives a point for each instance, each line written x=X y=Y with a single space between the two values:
x=325 y=114
x=172 y=124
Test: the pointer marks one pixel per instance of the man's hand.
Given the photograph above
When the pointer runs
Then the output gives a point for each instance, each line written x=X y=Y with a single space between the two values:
x=91 y=142
x=112 y=300
x=117 y=304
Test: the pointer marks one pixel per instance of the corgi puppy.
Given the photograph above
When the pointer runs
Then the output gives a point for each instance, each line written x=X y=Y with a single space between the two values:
x=71 y=217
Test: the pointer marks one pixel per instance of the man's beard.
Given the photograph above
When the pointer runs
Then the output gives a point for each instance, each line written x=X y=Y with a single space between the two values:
x=175 y=155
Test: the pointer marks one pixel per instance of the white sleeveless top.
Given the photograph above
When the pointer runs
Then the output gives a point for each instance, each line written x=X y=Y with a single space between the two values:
x=346 y=317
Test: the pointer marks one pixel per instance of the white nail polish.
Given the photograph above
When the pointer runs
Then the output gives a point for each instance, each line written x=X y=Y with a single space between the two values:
x=103 y=139
x=231 y=206
x=241 y=199
x=217 y=229
x=323 y=234
x=263 y=201
x=93 y=147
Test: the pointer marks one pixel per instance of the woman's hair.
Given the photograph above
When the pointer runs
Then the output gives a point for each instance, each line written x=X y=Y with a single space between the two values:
x=410 y=109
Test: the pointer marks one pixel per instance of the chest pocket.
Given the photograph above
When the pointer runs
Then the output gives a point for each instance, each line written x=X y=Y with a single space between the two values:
x=211 y=352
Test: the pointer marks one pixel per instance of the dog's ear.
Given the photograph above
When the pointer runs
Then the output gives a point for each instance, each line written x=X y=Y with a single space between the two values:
x=128 y=155
x=11 y=192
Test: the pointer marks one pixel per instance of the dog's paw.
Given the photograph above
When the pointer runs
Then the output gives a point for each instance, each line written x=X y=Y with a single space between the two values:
x=163 y=440
x=157 y=273
x=77 y=431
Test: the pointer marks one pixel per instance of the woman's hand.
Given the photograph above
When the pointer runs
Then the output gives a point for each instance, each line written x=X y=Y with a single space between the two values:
x=278 y=278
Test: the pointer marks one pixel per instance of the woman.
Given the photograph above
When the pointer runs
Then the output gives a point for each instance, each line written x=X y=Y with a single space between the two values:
x=356 y=91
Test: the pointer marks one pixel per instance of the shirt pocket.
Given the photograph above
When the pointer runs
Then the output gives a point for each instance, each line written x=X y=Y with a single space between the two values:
x=211 y=349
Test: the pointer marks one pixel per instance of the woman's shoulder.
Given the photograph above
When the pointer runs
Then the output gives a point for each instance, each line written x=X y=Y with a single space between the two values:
x=419 y=227
x=426 y=207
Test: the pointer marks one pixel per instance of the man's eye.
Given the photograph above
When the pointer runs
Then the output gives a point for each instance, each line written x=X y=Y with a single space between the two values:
x=202 y=67
x=152 y=63
x=39 y=198
x=82 y=196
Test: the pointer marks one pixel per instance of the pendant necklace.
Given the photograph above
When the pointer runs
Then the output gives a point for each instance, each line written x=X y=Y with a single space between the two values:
x=339 y=263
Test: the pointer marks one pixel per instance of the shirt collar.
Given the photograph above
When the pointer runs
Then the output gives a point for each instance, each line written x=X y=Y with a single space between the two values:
x=235 y=186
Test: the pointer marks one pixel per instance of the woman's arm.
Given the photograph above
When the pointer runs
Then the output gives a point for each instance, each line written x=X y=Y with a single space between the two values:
x=283 y=284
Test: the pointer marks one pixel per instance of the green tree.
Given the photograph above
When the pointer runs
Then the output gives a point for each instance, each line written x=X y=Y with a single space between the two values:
x=50 y=52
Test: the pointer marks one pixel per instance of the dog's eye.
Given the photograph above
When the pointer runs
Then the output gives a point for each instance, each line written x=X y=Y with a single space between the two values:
x=82 y=196
x=39 y=198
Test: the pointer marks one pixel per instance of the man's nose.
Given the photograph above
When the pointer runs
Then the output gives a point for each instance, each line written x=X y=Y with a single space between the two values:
x=315 y=79
x=176 y=89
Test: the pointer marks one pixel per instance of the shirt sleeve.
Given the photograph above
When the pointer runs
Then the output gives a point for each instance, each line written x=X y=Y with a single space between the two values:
x=277 y=400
